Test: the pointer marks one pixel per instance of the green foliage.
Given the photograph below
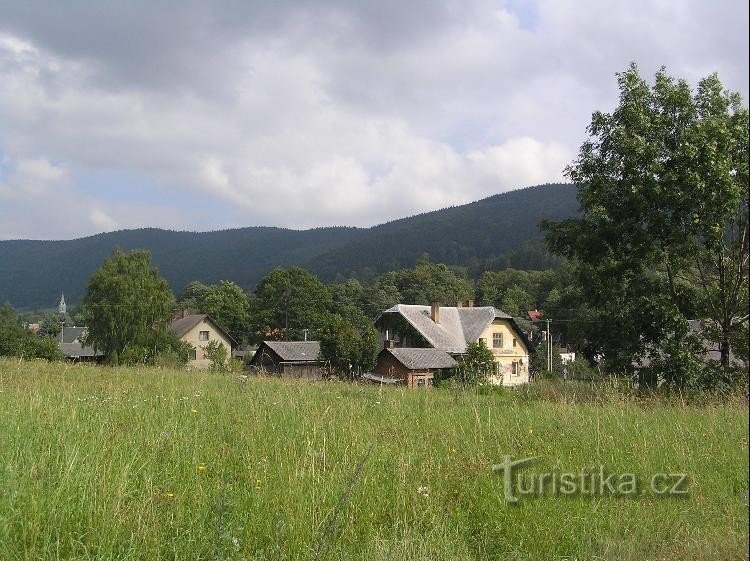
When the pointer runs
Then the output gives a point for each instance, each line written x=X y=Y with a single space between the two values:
x=289 y=301
x=229 y=306
x=16 y=341
x=663 y=186
x=475 y=366
x=347 y=351
x=217 y=354
x=126 y=305
x=191 y=297
x=427 y=283
x=538 y=360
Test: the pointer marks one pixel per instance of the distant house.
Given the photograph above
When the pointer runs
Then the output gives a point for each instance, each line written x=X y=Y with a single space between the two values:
x=198 y=330
x=566 y=355
x=289 y=359
x=451 y=329
x=413 y=368
x=534 y=315
x=69 y=342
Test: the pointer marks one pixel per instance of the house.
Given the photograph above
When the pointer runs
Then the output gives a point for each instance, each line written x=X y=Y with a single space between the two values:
x=413 y=367
x=289 y=359
x=450 y=329
x=566 y=355
x=198 y=330
x=69 y=342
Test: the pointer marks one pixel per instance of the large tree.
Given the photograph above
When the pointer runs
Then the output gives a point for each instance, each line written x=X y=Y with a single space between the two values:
x=229 y=306
x=289 y=301
x=663 y=187
x=127 y=305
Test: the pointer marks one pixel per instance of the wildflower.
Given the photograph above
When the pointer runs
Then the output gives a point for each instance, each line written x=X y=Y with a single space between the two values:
x=453 y=450
x=531 y=431
x=201 y=467
x=424 y=491
x=170 y=495
x=193 y=410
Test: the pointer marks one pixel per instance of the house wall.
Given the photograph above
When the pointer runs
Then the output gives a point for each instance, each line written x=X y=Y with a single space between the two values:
x=506 y=355
x=306 y=370
x=193 y=338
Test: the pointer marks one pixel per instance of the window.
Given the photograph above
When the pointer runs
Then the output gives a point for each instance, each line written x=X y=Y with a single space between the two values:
x=192 y=354
x=203 y=336
x=515 y=342
x=515 y=370
x=497 y=340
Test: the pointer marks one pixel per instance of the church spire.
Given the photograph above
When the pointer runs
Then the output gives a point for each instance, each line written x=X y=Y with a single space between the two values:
x=61 y=307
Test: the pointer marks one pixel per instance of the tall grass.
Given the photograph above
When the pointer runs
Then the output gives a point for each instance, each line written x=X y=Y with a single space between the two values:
x=106 y=463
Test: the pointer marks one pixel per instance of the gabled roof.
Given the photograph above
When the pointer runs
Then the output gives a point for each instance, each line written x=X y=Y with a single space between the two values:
x=181 y=326
x=295 y=351
x=422 y=359
x=457 y=327
x=71 y=334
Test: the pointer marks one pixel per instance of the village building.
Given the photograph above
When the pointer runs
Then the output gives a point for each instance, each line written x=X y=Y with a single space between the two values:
x=71 y=346
x=289 y=359
x=198 y=330
x=414 y=368
x=451 y=328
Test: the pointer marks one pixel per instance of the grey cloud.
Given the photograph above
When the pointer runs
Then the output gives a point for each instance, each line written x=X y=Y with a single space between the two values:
x=353 y=112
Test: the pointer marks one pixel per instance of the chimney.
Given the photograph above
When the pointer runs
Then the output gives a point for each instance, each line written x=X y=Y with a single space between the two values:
x=435 y=312
x=460 y=305
x=470 y=303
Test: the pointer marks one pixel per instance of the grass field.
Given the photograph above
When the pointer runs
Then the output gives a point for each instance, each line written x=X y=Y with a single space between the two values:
x=99 y=463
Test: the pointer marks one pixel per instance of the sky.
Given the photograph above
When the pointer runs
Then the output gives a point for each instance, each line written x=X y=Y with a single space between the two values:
x=200 y=116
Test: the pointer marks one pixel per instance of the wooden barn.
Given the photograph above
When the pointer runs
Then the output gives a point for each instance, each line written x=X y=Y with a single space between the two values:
x=289 y=359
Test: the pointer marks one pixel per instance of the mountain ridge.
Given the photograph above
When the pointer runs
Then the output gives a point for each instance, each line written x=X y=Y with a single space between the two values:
x=34 y=272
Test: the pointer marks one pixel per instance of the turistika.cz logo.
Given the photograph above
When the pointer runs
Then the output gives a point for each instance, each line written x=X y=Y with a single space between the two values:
x=593 y=482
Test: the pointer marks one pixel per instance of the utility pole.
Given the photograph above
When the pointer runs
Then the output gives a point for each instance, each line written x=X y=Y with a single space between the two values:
x=549 y=349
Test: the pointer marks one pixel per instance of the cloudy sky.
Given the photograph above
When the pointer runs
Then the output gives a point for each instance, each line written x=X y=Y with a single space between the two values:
x=300 y=114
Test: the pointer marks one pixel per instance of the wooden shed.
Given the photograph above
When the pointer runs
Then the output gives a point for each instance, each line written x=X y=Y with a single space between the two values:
x=289 y=359
x=415 y=367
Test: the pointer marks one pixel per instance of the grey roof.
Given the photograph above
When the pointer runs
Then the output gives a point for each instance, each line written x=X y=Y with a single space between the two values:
x=184 y=324
x=422 y=359
x=76 y=350
x=181 y=326
x=300 y=351
x=71 y=334
x=457 y=327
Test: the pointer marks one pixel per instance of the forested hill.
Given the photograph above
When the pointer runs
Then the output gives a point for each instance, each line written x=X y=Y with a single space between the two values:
x=33 y=273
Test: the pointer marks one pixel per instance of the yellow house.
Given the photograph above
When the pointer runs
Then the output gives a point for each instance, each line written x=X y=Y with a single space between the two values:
x=198 y=330
x=452 y=328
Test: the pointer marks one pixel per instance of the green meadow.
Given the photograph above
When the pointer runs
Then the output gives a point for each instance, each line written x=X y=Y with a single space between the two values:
x=148 y=464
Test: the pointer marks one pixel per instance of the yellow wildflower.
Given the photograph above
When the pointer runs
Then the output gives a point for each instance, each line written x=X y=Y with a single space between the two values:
x=193 y=410
x=201 y=467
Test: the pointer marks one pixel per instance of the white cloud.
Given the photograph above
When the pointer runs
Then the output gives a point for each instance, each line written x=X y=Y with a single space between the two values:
x=329 y=114
x=102 y=221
